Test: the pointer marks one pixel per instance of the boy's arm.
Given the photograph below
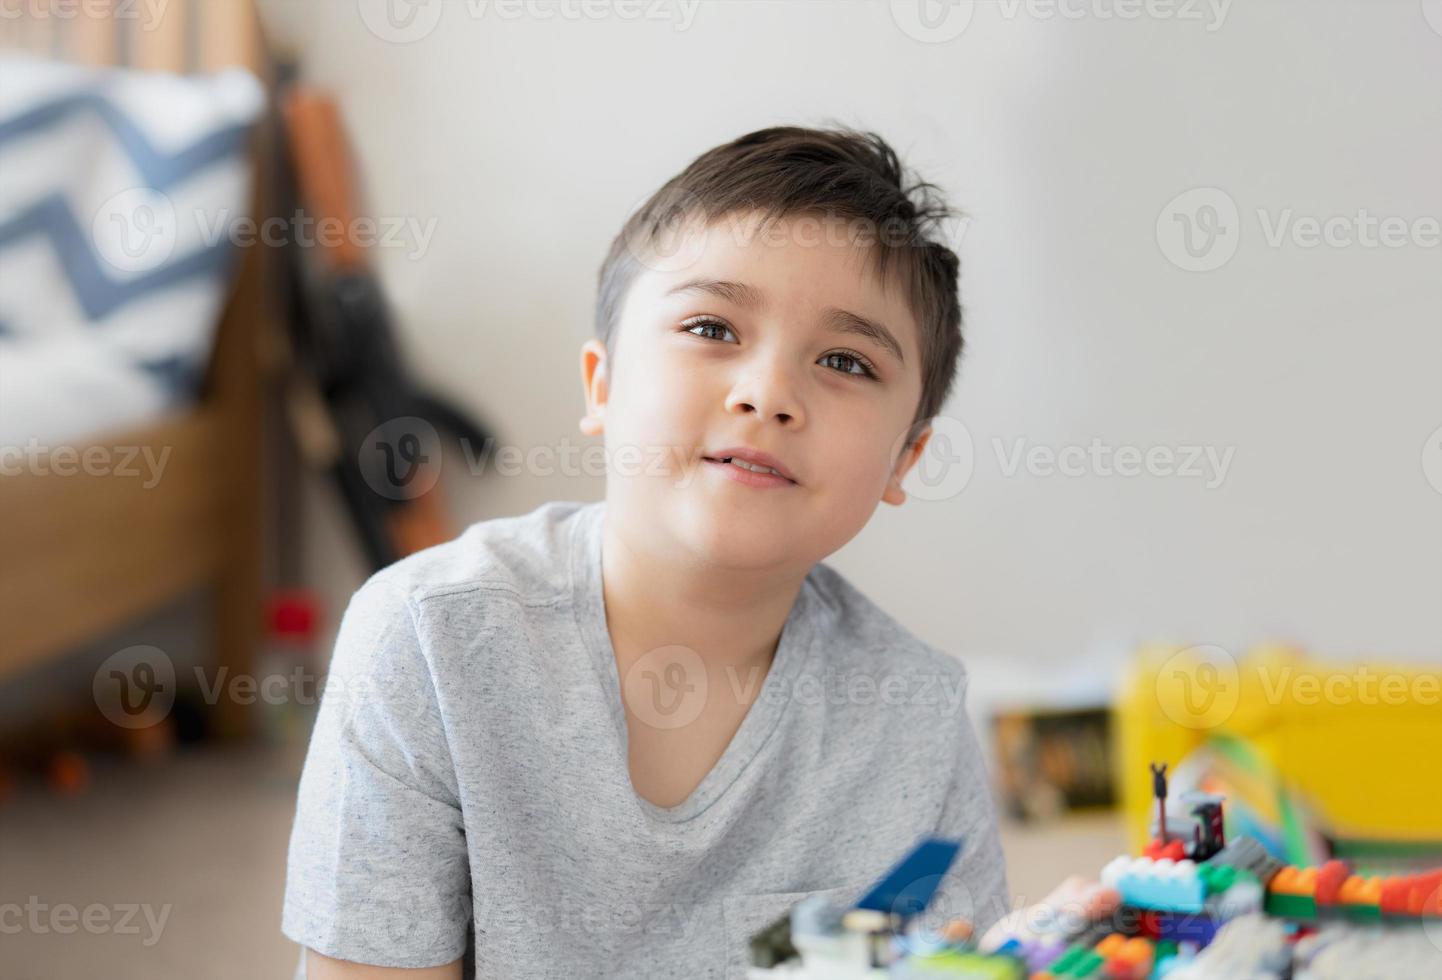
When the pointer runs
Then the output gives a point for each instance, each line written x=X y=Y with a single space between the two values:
x=378 y=870
x=975 y=888
x=318 y=967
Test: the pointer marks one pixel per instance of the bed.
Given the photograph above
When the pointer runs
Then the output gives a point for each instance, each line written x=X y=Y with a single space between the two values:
x=83 y=553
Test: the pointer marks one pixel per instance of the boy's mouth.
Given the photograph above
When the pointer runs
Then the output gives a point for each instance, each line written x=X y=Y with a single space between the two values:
x=752 y=461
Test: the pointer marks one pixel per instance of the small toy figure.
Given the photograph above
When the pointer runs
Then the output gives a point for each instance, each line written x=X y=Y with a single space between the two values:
x=1208 y=834
x=1159 y=790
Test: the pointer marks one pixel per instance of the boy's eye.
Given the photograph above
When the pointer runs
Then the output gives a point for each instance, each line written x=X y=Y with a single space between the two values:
x=863 y=369
x=704 y=325
x=850 y=361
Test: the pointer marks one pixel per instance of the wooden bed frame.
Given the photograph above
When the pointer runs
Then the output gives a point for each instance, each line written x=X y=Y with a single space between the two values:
x=81 y=555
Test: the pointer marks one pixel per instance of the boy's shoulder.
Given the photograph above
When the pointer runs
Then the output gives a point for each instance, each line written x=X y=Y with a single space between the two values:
x=861 y=636
x=526 y=556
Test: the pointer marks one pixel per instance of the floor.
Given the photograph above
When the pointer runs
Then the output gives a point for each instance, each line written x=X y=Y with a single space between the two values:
x=178 y=868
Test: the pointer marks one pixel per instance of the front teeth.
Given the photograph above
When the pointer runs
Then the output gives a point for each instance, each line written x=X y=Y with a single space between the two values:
x=751 y=466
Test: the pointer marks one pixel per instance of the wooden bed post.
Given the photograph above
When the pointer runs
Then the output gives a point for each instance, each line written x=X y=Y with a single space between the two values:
x=236 y=612
x=239 y=371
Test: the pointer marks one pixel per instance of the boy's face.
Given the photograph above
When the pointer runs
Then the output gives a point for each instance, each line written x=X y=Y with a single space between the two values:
x=764 y=364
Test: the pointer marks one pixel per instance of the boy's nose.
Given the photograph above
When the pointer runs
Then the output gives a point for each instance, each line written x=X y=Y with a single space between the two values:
x=768 y=397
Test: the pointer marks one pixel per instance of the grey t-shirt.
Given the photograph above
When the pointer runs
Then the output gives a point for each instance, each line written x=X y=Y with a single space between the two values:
x=466 y=789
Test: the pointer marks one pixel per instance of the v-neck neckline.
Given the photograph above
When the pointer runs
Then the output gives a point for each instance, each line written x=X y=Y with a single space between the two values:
x=794 y=648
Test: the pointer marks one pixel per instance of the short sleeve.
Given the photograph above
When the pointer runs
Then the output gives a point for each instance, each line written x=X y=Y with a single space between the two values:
x=975 y=887
x=377 y=870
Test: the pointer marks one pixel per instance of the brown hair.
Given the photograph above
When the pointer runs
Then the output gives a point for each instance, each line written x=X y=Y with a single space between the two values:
x=790 y=170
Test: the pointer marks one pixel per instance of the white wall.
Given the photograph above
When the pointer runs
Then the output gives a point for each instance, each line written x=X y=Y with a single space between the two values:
x=1320 y=369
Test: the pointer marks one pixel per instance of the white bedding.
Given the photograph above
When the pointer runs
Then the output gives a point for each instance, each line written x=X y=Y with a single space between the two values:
x=116 y=191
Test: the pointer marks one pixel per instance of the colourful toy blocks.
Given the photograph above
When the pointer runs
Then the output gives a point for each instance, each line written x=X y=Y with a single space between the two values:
x=1292 y=894
x=1247 y=854
x=1173 y=886
x=959 y=965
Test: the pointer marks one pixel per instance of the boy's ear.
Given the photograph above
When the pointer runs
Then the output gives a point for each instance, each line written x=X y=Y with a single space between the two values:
x=593 y=379
x=893 y=494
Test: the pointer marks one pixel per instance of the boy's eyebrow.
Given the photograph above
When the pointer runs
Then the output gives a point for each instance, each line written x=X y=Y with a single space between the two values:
x=748 y=296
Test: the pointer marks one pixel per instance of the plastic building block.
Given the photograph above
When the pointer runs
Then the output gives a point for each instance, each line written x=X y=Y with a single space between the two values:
x=1042 y=952
x=1126 y=958
x=1077 y=961
x=1243 y=897
x=1248 y=854
x=1173 y=849
x=1413 y=896
x=908 y=888
x=1167 y=885
x=1360 y=899
x=1180 y=927
x=959 y=965
x=1066 y=913
x=1329 y=882
x=1292 y=894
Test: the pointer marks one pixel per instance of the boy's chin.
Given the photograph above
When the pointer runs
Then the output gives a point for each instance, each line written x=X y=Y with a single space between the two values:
x=723 y=533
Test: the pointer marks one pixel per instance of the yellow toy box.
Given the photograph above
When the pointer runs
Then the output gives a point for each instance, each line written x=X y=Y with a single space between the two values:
x=1359 y=745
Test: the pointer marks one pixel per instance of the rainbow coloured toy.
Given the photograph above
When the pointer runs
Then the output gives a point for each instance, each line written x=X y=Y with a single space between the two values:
x=1193 y=906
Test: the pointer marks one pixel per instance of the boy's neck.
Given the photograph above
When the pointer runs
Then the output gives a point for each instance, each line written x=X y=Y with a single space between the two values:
x=732 y=620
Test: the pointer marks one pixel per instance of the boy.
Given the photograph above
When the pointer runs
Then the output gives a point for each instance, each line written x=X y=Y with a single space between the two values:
x=616 y=739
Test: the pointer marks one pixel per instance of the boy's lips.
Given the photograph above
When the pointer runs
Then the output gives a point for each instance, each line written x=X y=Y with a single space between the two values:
x=753 y=458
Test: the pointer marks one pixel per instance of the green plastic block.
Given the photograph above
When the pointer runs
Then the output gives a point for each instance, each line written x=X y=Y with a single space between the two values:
x=1063 y=964
x=958 y=965
x=1360 y=913
x=1291 y=906
x=1216 y=877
